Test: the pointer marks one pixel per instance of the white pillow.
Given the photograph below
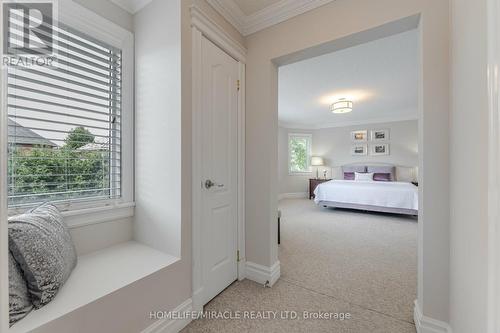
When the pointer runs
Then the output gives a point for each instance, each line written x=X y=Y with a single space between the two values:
x=366 y=177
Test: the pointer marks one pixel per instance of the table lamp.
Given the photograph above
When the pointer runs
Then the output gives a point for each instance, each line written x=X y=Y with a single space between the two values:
x=317 y=161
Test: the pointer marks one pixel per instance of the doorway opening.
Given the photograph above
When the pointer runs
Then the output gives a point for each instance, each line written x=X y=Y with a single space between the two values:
x=348 y=163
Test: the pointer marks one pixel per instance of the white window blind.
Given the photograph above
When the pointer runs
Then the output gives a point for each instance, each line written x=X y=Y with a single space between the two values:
x=64 y=123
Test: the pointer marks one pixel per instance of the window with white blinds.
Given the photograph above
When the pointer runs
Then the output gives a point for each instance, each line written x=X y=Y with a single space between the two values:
x=64 y=124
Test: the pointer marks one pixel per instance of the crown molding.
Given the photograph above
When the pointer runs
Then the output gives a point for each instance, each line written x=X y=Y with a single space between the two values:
x=209 y=28
x=265 y=18
x=131 y=6
x=231 y=12
x=347 y=123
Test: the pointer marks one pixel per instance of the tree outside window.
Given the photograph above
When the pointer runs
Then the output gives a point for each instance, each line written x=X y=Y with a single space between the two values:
x=80 y=168
x=299 y=153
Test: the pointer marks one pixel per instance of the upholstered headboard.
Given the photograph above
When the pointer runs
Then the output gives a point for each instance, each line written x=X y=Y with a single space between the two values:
x=382 y=172
x=402 y=173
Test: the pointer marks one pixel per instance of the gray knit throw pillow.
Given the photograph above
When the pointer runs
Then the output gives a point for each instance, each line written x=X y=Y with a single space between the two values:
x=40 y=242
x=19 y=298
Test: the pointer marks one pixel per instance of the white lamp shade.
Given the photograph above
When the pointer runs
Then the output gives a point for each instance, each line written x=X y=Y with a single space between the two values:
x=317 y=161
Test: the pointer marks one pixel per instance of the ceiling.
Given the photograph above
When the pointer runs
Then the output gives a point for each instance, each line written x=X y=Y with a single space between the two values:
x=249 y=16
x=380 y=77
x=253 y=6
x=131 y=6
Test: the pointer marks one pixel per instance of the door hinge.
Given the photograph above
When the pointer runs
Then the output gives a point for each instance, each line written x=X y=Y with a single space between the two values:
x=238 y=255
x=238 y=85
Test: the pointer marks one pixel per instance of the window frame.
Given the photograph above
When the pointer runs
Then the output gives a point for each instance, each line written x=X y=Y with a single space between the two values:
x=309 y=154
x=88 y=22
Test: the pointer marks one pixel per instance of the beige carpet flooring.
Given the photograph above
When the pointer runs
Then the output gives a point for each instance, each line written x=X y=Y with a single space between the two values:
x=332 y=261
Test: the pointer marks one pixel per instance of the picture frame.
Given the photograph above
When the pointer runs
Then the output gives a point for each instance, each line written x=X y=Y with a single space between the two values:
x=359 y=136
x=380 y=135
x=379 y=149
x=359 y=150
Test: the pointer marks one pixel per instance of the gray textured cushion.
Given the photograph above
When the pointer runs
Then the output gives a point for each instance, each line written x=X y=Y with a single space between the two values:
x=41 y=244
x=19 y=297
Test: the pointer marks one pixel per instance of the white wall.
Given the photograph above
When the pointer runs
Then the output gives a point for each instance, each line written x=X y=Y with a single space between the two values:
x=469 y=168
x=110 y=11
x=158 y=126
x=314 y=29
x=334 y=145
x=99 y=236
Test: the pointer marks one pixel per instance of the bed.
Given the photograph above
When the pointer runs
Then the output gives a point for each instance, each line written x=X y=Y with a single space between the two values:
x=383 y=194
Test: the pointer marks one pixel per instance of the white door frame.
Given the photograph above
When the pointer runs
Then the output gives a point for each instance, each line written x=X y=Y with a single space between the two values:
x=203 y=26
x=4 y=242
x=494 y=167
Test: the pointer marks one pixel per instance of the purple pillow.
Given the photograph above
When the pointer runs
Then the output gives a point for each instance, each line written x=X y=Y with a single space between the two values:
x=349 y=170
x=382 y=177
x=383 y=171
x=348 y=175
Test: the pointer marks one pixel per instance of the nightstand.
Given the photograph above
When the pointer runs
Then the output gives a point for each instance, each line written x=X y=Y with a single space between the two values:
x=313 y=182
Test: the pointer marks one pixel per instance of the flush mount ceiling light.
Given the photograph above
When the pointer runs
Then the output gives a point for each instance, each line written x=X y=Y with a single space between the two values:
x=341 y=106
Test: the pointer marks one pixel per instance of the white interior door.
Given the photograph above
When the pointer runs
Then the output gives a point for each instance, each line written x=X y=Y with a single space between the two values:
x=219 y=169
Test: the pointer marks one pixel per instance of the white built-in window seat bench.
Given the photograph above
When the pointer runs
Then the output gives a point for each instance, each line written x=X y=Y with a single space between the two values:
x=98 y=274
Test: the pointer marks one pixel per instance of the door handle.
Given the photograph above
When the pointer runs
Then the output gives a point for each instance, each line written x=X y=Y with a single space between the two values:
x=209 y=184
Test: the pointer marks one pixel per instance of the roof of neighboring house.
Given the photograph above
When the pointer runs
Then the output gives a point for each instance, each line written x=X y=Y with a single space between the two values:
x=24 y=136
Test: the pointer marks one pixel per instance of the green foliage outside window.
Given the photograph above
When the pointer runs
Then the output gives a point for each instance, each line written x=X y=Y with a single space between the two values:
x=79 y=137
x=299 y=150
x=39 y=173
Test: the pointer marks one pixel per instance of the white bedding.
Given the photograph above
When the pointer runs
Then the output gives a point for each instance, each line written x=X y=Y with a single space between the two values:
x=373 y=193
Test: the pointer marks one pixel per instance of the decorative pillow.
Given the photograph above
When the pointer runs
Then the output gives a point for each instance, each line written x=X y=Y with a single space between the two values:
x=41 y=244
x=348 y=175
x=367 y=177
x=349 y=170
x=382 y=177
x=19 y=297
x=383 y=169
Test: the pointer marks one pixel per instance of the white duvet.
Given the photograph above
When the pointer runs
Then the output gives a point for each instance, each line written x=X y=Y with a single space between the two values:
x=374 y=193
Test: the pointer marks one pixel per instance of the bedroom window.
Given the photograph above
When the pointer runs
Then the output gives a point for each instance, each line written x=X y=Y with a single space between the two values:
x=299 y=153
x=65 y=125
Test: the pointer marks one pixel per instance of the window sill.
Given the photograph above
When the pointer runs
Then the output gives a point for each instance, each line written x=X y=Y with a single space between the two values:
x=95 y=215
x=82 y=216
x=96 y=275
x=308 y=173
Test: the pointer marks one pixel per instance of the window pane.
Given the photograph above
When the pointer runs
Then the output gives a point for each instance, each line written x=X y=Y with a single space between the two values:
x=64 y=125
x=299 y=148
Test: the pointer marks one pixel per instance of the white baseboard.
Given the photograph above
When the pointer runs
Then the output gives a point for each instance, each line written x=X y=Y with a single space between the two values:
x=197 y=304
x=298 y=195
x=262 y=274
x=425 y=324
x=172 y=325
